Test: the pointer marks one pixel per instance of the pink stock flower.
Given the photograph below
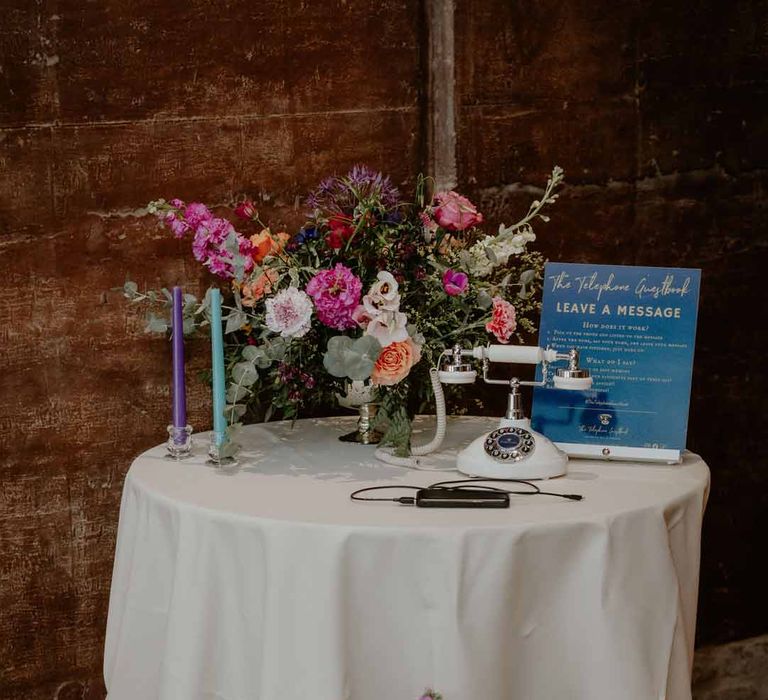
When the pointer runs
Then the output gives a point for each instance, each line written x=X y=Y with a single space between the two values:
x=503 y=322
x=336 y=294
x=455 y=283
x=454 y=212
x=178 y=226
x=196 y=214
x=209 y=243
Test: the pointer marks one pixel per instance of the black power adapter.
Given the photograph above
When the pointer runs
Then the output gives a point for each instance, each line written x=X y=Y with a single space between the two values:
x=461 y=498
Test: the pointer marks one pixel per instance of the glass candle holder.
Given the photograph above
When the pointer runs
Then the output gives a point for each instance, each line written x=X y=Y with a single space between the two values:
x=222 y=452
x=179 y=443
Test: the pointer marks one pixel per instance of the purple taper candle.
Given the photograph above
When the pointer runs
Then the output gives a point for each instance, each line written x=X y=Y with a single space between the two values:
x=177 y=339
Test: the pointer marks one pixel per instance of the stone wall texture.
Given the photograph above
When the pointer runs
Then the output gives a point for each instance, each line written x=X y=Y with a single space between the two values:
x=656 y=110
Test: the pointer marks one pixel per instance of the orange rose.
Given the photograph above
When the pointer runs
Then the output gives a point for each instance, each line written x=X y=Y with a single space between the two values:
x=395 y=362
x=264 y=244
x=253 y=291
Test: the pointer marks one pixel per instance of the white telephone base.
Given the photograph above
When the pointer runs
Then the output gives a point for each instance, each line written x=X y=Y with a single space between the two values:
x=543 y=461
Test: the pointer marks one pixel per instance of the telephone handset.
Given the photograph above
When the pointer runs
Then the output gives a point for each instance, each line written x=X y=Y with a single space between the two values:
x=514 y=449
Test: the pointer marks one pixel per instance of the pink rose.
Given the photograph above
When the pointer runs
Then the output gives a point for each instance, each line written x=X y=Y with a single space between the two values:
x=503 y=322
x=394 y=362
x=246 y=210
x=454 y=212
x=455 y=283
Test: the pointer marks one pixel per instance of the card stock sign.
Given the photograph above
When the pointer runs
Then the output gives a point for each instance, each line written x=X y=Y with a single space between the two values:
x=635 y=328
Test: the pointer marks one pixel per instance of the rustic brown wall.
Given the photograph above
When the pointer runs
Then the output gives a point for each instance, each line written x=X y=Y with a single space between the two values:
x=104 y=106
x=656 y=110
x=652 y=107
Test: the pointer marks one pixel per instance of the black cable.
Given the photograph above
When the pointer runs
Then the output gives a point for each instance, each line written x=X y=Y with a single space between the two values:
x=405 y=500
x=474 y=482
x=536 y=490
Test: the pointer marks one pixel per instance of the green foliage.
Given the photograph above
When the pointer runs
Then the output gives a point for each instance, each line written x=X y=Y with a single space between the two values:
x=351 y=358
x=271 y=375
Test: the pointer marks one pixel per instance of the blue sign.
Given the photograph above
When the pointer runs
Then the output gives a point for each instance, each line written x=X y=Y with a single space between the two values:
x=635 y=328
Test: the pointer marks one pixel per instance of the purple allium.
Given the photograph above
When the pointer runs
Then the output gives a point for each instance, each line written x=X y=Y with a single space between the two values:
x=336 y=294
x=342 y=194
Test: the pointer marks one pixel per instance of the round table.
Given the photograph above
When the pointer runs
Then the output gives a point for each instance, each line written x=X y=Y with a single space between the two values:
x=268 y=583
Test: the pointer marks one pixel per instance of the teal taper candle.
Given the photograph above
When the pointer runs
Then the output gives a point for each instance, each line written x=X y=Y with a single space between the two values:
x=217 y=358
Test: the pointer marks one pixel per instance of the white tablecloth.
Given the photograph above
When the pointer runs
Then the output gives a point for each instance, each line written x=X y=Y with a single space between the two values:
x=270 y=584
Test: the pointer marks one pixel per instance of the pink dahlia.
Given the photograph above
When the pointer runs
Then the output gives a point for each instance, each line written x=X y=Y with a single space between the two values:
x=336 y=294
x=503 y=321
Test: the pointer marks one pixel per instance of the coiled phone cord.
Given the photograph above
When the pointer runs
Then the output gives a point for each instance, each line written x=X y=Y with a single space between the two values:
x=414 y=461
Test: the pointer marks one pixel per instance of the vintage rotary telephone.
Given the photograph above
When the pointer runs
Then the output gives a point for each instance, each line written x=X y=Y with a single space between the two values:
x=514 y=449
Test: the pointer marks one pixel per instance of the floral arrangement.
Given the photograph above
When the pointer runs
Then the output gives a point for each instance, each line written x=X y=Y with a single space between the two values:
x=372 y=288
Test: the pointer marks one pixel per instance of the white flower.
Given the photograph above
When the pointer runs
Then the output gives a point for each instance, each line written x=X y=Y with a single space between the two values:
x=289 y=313
x=492 y=251
x=383 y=294
x=388 y=327
x=480 y=264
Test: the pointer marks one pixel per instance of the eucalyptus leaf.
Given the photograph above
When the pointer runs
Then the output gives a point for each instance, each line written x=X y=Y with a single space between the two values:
x=228 y=448
x=275 y=348
x=167 y=294
x=130 y=289
x=238 y=264
x=231 y=244
x=350 y=358
x=205 y=304
x=256 y=355
x=234 y=412
x=294 y=275
x=251 y=352
x=235 y=321
x=262 y=361
x=236 y=392
x=245 y=373
x=188 y=326
x=527 y=276
x=491 y=255
x=155 y=324
x=484 y=300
